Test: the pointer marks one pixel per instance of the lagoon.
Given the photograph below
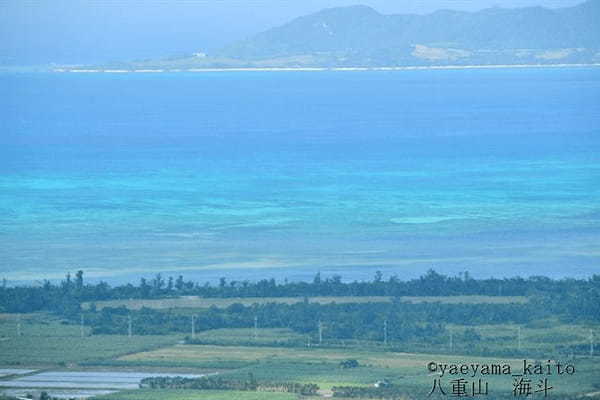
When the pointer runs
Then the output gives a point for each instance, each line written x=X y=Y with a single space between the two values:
x=283 y=174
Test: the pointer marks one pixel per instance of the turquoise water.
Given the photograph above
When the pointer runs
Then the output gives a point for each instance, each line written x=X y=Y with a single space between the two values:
x=248 y=175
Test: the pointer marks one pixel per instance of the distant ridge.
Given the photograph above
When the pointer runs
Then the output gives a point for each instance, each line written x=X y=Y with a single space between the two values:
x=359 y=36
x=362 y=33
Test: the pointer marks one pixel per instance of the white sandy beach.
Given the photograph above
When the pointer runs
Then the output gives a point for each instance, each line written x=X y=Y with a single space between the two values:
x=308 y=69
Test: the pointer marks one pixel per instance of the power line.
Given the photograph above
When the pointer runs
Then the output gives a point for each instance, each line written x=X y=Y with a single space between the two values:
x=129 y=327
x=385 y=332
x=193 y=327
x=320 y=332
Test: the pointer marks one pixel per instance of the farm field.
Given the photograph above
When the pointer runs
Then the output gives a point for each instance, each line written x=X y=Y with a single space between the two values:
x=28 y=350
x=4 y=372
x=37 y=324
x=86 y=379
x=546 y=337
x=246 y=336
x=201 y=353
x=78 y=384
x=466 y=299
x=200 y=302
x=322 y=366
x=58 y=393
x=47 y=342
x=195 y=395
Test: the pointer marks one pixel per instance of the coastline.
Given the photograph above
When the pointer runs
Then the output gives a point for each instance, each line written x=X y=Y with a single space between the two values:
x=319 y=69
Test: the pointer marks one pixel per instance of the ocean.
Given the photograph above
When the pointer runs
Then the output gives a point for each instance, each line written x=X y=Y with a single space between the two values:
x=252 y=175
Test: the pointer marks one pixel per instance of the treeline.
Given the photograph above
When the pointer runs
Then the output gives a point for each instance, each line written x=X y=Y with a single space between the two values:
x=400 y=321
x=572 y=298
x=64 y=298
x=339 y=321
x=218 y=383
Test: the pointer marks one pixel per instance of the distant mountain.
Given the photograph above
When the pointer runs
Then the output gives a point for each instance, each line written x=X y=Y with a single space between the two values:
x=363 y=35
x=360 y=36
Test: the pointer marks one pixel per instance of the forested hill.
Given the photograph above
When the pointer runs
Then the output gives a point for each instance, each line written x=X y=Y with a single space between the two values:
x=359 y=36
x=361 y=33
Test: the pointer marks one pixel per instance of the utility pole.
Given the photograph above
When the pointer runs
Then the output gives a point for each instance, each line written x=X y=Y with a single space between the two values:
x=81 y=326
x=385 y=332
x=18 y=325
x=591 y=343
x=320 y=332
x=255 y=327
x=193 y=327
x=129 y=327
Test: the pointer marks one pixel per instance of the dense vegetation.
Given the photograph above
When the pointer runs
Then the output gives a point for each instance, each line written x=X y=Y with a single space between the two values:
x=354 y=365
x=350 y=33
x=570 y=298
x=404 y=326
x=218 y=383
x=343 y=321
x=359 y=36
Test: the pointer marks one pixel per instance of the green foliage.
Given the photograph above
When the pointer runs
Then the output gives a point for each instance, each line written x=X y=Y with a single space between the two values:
x=572 y=300
x=347 y=36
x=53 y=350
x=208 y=365
x=219 y=383
x=350 y=363
x=271 y=337
x=362 y=321
x=322 y=371
x=471 y=335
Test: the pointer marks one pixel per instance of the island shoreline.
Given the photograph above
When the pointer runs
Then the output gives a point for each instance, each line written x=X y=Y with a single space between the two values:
x=324 y=69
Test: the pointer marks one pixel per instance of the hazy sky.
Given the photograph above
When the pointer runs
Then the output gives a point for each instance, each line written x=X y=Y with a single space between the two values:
x=86 y=31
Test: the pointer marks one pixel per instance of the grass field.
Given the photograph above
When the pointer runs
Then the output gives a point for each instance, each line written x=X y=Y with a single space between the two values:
x=245 y=336
x=198 y=302
x=321 y=366
x=45 y=340
x=53 y=350
x=541 y=337
x=195 y=395
x=466 y=299
x=407 y=361
x=37 y=324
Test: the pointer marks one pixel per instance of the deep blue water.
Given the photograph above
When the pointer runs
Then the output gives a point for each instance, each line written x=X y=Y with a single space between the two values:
x=257 y=174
